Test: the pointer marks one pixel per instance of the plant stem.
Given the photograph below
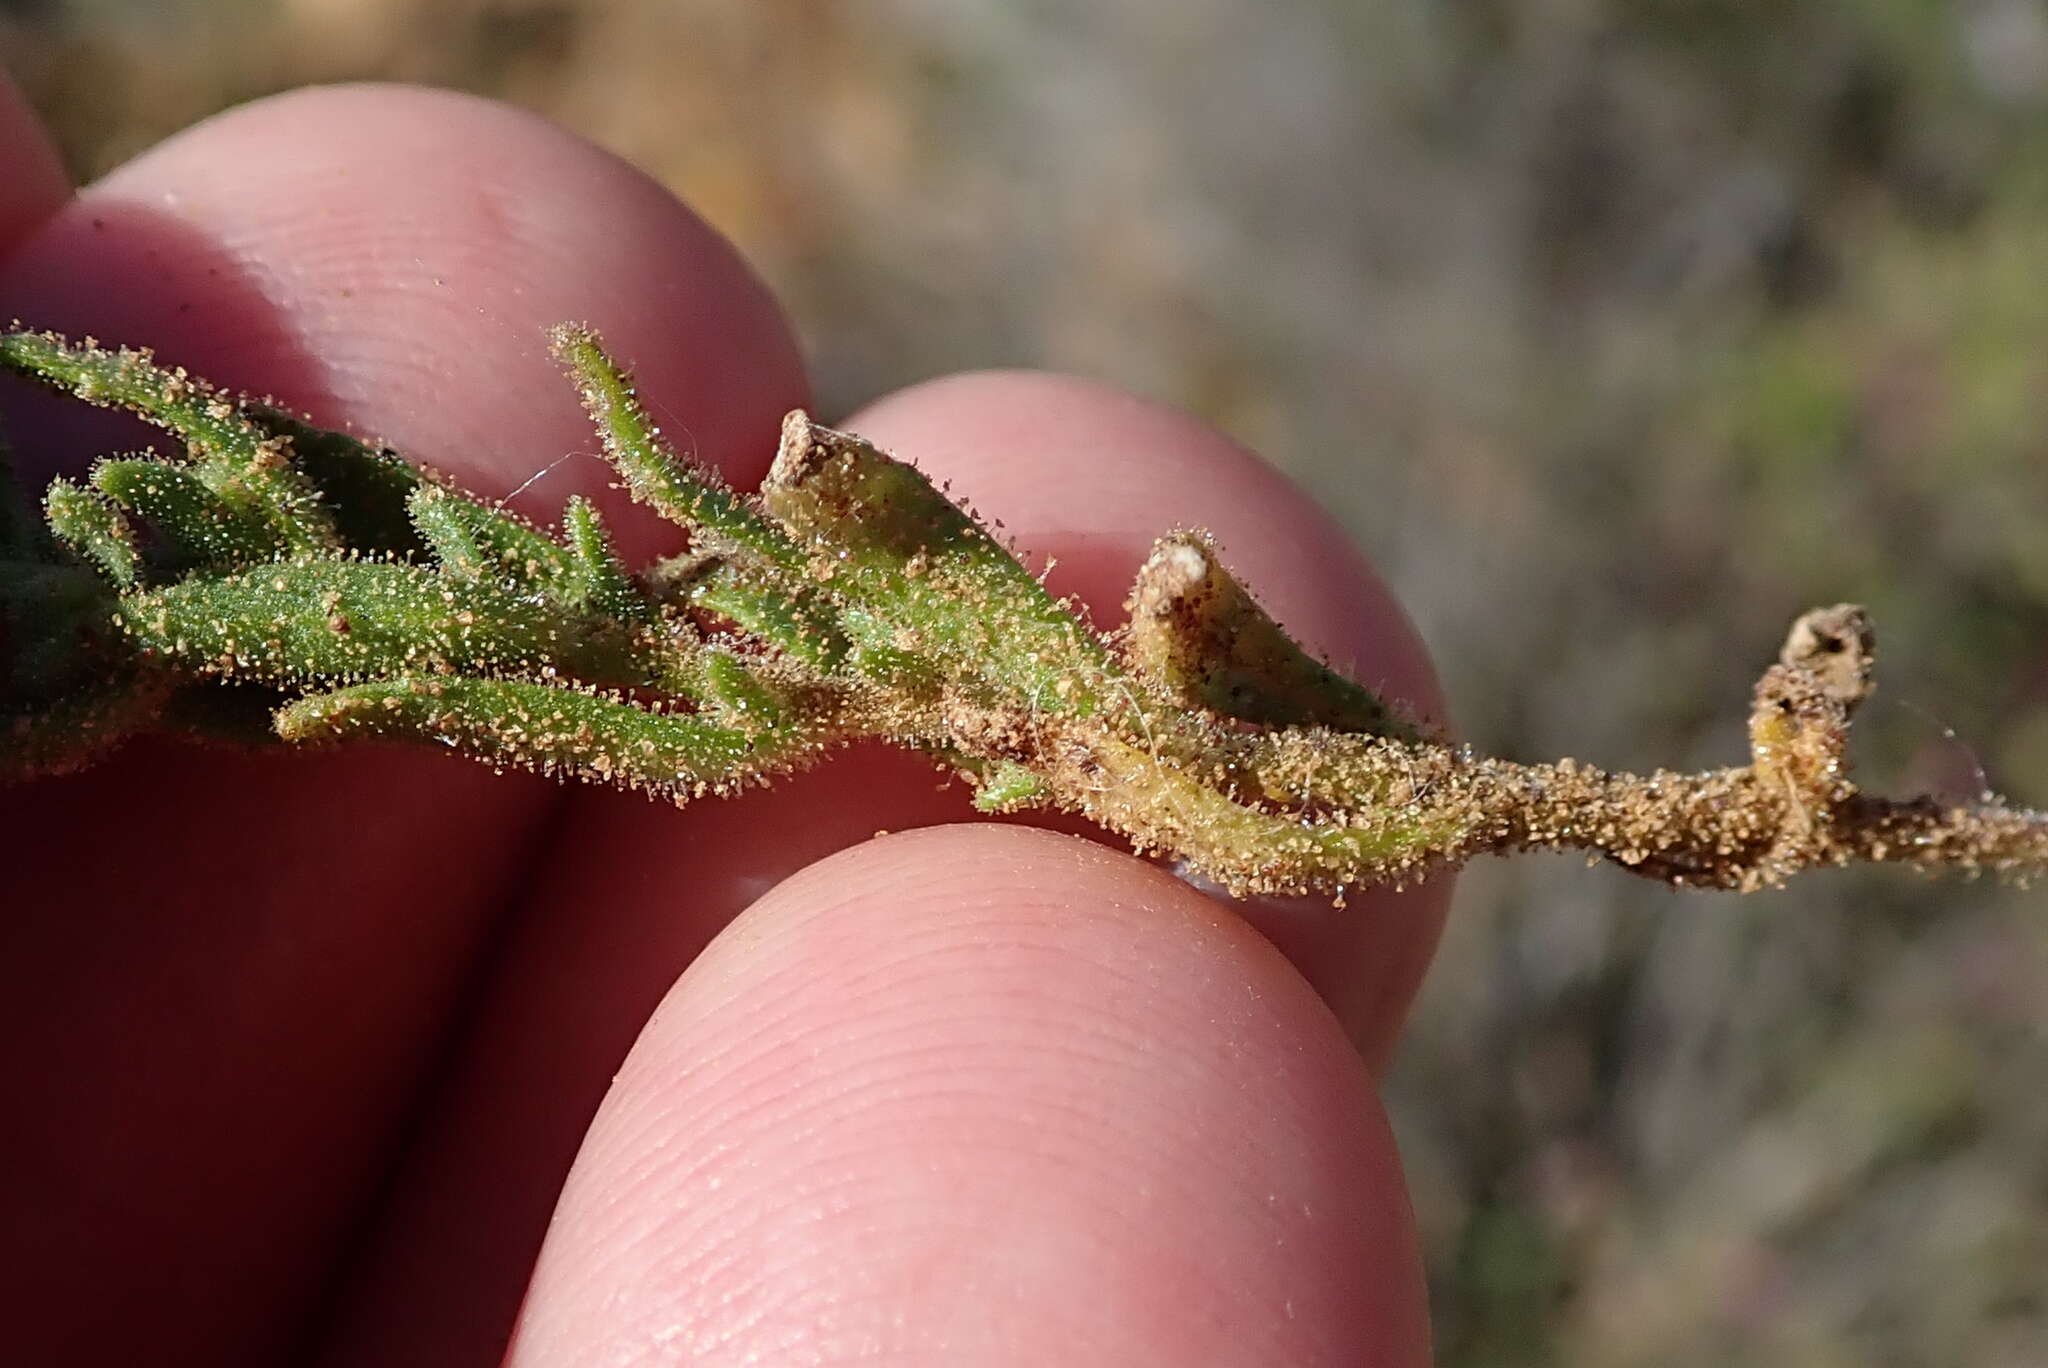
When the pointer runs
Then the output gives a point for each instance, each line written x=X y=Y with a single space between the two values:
x=851 y=599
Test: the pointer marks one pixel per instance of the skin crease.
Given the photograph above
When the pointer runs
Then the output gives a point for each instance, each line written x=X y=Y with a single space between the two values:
x=332 y=1026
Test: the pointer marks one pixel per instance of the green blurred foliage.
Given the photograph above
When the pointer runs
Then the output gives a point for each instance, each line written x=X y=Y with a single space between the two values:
x=1619 y=333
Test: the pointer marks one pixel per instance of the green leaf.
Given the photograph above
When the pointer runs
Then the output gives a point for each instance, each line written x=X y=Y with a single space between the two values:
x=1201 y=636
x=477 y=542
x=606 y=587
x=554 y=730
x=1011 y=787
x=1162 y=807
x=793 y=618
x=915 y=574
x=739 y=697
x=196 y=526
x=352 y=620
x=235 y=457
x=689 y=496
x=94 y=528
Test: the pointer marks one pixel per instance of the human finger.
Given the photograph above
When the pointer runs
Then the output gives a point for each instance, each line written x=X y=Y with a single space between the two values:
x=225 y=975
x=1072 y=469
x=985 y=1095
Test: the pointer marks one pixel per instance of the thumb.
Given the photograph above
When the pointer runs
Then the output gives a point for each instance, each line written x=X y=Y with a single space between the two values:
x=984 y=1095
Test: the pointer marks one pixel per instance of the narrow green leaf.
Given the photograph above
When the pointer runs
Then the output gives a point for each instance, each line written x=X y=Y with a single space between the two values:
x=1202 y=637
x=689 y=496
x=296 y=622
x=1010 y=787
x=793 y=618
x=607 y=588
x=739 y=696
x=475 y=541
x=196 y=526
x=236 y=458
x=94 y=528
x=557 y=731
x=916 y=574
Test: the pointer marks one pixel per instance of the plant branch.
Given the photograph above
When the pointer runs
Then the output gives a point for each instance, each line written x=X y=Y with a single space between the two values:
x=850 y=599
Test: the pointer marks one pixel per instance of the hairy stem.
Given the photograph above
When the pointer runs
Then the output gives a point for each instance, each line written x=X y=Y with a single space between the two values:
x=851 y=599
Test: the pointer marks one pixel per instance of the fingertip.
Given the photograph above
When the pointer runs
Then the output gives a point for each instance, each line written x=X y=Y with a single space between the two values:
x=1092 y=476
x=982 y=1094
x=391 y=257
x=33 y=184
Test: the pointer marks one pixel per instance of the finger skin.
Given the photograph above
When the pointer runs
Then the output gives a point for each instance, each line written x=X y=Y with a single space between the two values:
x=214 y=1025
x=984 y=1095
x=627 y=897
x=210 y=1031
x=1084 y=472
x=32 y=180
x=240 y=284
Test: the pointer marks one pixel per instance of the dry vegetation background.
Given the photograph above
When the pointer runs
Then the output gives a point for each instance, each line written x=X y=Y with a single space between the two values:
x=1619 y=332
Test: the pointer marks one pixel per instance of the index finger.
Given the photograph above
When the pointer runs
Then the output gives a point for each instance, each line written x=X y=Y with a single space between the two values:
x=222 y=975
x=633 y=892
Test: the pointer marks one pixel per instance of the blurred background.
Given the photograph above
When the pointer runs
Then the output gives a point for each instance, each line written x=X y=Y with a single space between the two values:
x=1618 y=332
